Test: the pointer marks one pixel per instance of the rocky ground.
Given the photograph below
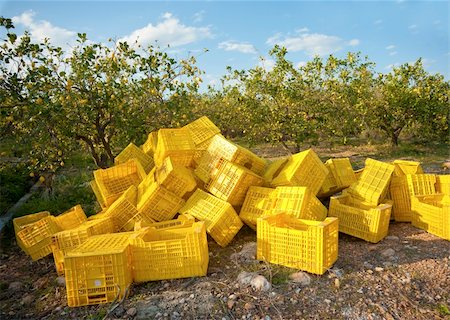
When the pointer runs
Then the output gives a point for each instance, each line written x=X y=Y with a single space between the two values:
x=405 y=276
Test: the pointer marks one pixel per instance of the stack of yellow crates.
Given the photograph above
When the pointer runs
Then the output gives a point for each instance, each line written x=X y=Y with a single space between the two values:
x=340 y=176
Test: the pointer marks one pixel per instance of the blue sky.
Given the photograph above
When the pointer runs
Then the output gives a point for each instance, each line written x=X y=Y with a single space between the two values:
x=240 y=33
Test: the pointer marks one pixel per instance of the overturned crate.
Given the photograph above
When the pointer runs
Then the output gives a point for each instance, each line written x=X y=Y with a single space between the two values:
x=303 y=169
x=134 y=152
x=114 y=181
x=177 y=144
x=432 y=214
x=340 y=176
x=221 y=221
x=202 y=130
x=99 y=270
x=169 y=253
x=24 y=221
x=175 y=178
x=64 y=241
x=370 y=223
x=307 y=245
x=443 y=184
x=71 y=218
x=258 y=202
x=123 y=209
x=405 y=167
x=150 y=144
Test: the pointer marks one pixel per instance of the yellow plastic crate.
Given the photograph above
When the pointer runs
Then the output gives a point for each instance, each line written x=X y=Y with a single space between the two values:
x=170 y=253
x=202 y=130
x=22 y=222
x=98 y=195
x=200 y=149
x=134 y=152
x=300 y=203
x=159 y=204
x=230 y=182
x=432 y=214
x=70 y=219
x=340 y=176
x=36 y=237
x=182 y=221
x=112 y=182
x=175 y=178
x=404 y=187
x=150 y=144
x=222 y=222
x=404 y=167
x=147 y=182
x=370 y=223
x=307 y=245
x=221 y=148
x=373 y=185
x=177 y=144
x=358 y=173
x=303 y=169
x=443 y=184
x=99 y=270
x=138 y=218
x=273 y=169
x=124 y=208
x=64 y=241
x=258 y=202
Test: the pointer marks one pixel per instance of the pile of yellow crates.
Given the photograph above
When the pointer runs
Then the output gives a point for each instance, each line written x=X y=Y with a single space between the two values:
x=161 y=200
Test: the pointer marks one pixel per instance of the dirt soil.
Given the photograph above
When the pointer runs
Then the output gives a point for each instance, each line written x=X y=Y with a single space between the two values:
x=405 y=276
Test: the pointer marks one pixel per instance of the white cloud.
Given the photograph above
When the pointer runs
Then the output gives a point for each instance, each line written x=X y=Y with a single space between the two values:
x=353 y=42
x=379 y=21
x=237 y=46
x=301 y=64
x=40 y=30
x=412 y=27
x=390 y=47
x=311 y=43
x=392 y=65
x=198 y=16
x=266 y=63
x=303 y=30
x=393 y=53
x=170 y=31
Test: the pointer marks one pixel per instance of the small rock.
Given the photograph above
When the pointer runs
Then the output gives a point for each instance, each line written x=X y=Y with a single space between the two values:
x=369 y=271
x=58 y=309
x=175 y=314
x=15 y=286
x=131 y=312
x=360 y=290
x=367 y=265
x=244 y=278
x=298 y=290
x=301 y=278
x=388 y=252
x=337 y=272
x=27 y=300
x=260 y=283
x=387 y=264
x=192 y=296
x=230 y=304
x=327 y=301
x=249 y=306
x=267 y=318
x=60 y=281
x=247 y=254
x=393 y=238
x=182 y=300
x=232 y=297
x=379 y=269
x=337 y=283
x=166 y=285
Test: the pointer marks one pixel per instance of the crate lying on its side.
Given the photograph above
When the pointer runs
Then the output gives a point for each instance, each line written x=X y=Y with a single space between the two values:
x=405 y=167
x=169 y=253
x=340 y=176
x=22 y=222
x=259 y=201
x=123 y=209
x=202 y=130
x=65 y=241
x=222 y=222
x=177 y=144
x=370 y=223
x=307 y=245
x=134 y=152
x=99 y=270
x=72 y=218
x=432 y=214
x=175 y=178
x=150 y=144
x=443 y=184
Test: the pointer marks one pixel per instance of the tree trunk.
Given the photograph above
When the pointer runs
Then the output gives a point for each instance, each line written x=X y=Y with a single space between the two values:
x=394 y=136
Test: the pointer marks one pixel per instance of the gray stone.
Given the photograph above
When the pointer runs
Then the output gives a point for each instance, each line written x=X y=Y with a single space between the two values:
x=247 y=254
x=232 y=297
x=131 y=312
x=146 y=311
x=244 y=278
x=260 y=283
x=119 y=312
x=15 y=286
x=60 y=281
x=301 y=278
x=327 y=301
x=392 y=238
x=379 y=269
x=388 y=253
x=367 y=265
x=27 y=300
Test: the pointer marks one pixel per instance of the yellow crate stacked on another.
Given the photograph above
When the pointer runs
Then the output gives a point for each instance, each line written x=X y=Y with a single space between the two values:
x=303 y=169
x=221 y=148
x=358 y=173
x=36 y=237
x=258 y=202
x=273 y=169
x=64 y=241
x=158 y=203
x=307 y=245
x=177 y=144
x=175 y=178
x=99 y=270
x=230 y=182
x=403 y=188
x=443 y=184
x=370 y=223
x=123 y=209
x=222 y=222
x=432 y=214
x=22 y=222
x=98 y=195
x=70 y=219
x=176 y=252
x=134 y=152
x=182 y=221
x=114 y=181
x=405 y=167
x=340 y=176
x=150 y=144
x=202 y=130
